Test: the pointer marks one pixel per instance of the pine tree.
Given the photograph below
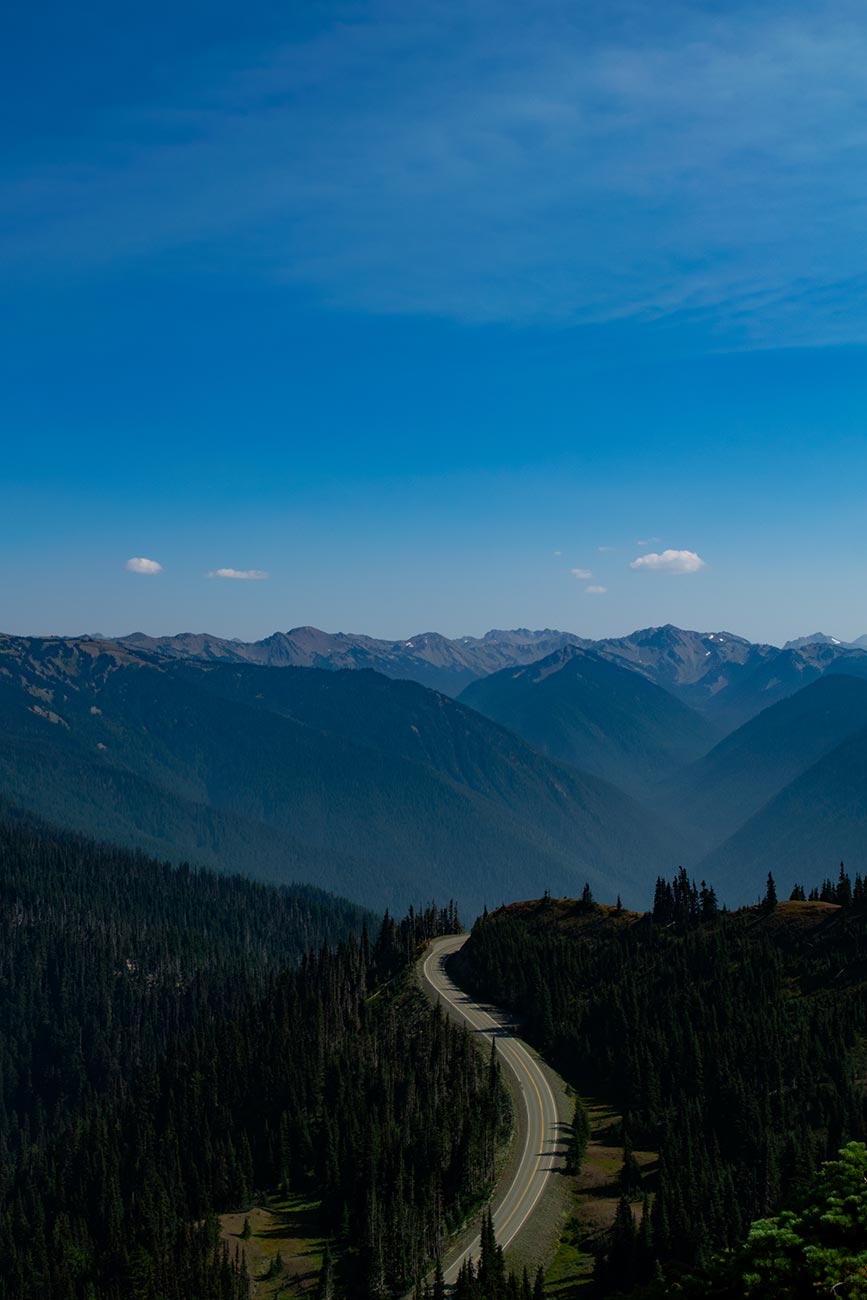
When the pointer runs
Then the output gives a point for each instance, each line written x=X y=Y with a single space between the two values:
x=438 y=1292
x=645 y=1256
x=709 y=905
x=663 y=902
x=770 y=894
x=325 y=1285
x=621 y=1262
x=579 y=1137
x=844 y=888
x=631 y=1178
x=275 y=1268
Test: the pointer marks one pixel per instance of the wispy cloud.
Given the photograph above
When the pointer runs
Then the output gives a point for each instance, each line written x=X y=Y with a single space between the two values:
x=594 y=164
x=581 y=573
x=244 y=575
x=669 y=562
x=646 y=541
x=606 y=548
x=140 y=564
x=596 y=591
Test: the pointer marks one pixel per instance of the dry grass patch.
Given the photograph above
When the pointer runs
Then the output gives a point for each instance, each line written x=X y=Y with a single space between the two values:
x=793 y=915
x=571 y=917
x=595 y=1198
x=286 y=1228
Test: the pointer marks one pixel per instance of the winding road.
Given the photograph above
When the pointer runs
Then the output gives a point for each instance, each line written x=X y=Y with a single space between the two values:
x=514 y=1203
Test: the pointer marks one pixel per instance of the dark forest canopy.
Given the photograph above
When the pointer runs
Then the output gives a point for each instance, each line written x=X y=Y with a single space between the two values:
x=173 y=1041
x=731 y=1042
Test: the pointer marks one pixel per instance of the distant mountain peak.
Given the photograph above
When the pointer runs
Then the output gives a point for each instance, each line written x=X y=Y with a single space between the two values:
x=819 y=638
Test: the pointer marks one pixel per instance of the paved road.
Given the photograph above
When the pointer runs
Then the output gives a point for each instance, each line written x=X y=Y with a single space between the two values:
x=514 y=1204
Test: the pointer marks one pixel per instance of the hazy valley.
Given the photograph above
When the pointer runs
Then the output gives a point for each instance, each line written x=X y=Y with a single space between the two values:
x=609 y=761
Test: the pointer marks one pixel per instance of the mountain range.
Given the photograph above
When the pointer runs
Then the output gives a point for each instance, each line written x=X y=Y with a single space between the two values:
x=429 y=658
x=382 y=790
x=562 y=760
x=722 y=675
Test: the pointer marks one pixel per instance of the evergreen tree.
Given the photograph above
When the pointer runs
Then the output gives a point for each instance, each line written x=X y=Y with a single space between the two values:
x=844 y=888
x=709 y=904
x=275 y=1268
x=325 y=1284
x=621 y=1262
x=631 y=1178
x=579 y=1136
x=438 y=1291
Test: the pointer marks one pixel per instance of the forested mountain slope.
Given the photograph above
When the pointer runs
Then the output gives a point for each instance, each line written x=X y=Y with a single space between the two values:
x=720 y=791
x=168 y=1047
x=819 y=818
x=362 y=784
x=733 y=1043
x=584 y=710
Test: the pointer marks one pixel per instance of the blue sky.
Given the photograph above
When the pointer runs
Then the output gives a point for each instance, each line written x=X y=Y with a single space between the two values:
x=415 y=308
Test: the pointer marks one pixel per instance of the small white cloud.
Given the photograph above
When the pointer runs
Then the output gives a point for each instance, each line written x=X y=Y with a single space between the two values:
x=581 y=573
x=606 y=548
x=139 y=564
x=596 y=591
x=557 y=552
x=245 y=575
x=646 y=541
x=669 y=562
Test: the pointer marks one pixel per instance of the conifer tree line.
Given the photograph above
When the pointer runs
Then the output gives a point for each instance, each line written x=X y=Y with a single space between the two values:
x=729 y=1042
x=173 y=1043
x=487 y=1278
x=843 y=891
